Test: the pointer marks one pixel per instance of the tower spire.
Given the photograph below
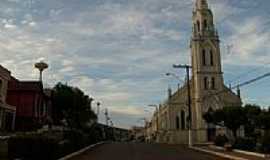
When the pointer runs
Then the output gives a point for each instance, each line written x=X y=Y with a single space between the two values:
x=201 y=4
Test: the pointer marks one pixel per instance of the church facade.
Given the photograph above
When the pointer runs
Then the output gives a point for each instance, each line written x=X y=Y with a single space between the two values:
x=208 y=91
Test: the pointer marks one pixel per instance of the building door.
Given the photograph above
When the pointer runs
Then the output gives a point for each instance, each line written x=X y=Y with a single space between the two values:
x=211 y=132
x=9 y=120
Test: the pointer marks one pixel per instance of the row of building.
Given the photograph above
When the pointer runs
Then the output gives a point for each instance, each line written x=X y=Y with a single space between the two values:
x=24 y=105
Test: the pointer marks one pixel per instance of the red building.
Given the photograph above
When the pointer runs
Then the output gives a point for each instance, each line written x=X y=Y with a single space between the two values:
x=33 y=104
x=7 y=112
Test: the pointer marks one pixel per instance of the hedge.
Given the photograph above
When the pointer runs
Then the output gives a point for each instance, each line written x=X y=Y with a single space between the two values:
x=44 y=147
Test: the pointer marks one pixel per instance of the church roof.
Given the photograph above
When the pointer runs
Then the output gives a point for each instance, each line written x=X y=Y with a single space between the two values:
x=226 y=97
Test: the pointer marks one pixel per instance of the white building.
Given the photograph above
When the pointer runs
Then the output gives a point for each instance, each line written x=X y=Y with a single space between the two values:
x=208 y=91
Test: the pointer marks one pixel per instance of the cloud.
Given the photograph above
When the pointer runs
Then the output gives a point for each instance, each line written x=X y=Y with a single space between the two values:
x=118 y=51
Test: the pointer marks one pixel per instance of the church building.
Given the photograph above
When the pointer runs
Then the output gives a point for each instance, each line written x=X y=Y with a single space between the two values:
x=208 y=91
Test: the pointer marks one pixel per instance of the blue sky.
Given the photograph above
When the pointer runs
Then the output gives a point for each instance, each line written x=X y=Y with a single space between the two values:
x=118 y=51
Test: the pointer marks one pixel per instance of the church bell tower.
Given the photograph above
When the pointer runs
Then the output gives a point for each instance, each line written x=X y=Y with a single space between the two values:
x=207 y=76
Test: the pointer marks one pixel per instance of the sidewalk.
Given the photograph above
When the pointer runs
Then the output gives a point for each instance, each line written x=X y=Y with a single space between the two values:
x=227 y=154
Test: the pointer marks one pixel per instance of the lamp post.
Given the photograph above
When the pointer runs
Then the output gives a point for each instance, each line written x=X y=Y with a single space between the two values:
x=41 y=66
x=144 y=127
x=107 y=116
x=157 y=111
x=187 y=68
x=98 y=108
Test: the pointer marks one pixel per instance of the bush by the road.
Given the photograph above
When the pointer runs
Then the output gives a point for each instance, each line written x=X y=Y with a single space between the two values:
x=265 y=143
x=221 y=140
x=247 y=144
x=32 y=147
x=47 y=147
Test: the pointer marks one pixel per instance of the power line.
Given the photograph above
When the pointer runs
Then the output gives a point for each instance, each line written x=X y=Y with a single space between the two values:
x=237 y=86
x=253 y=80
x=248 y=72
x=242 y=75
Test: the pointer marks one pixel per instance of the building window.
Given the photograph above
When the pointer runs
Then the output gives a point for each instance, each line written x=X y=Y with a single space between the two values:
x=205 y=24
x=205 y=83
x=211 y=58
x=198 y=26
x=183 y=120
x=177 y=119
x=1 y=87
x=204 y=57
x=213 y=83
x=1 y=84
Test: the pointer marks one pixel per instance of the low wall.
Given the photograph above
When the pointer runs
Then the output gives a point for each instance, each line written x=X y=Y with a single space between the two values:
x=4 y=148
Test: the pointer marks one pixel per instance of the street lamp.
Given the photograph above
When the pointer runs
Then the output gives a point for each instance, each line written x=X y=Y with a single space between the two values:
x=41 y=66
x=157 y=111
x=187 y=68
x=175 y=76
x=98 y=108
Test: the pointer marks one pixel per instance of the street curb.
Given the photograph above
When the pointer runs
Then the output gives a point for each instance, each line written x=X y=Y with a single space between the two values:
x=218 y=154
x=80 y=151
x=251 y=153
x=260 y=155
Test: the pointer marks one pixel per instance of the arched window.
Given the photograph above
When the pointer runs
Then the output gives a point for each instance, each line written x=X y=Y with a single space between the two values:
x=204 y=57
x=211 y=58
x=213 y=85
x=1 y=86
x=177 y=119
x=205 y=83
x=205 y=24
x=198 y=26
x=183 y=120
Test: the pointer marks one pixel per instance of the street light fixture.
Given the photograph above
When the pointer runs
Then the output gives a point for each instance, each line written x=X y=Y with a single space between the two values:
x=98 y=108
x=175 y=76
x=41 y=66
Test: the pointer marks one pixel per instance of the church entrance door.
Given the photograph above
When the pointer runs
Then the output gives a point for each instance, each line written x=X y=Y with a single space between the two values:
x=211 y=132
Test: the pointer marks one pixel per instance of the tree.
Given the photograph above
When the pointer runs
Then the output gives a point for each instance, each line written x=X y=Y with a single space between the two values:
x=252 y=113
x=263 y=120
x=72 y=105
x=230 y=117
x=234 y=118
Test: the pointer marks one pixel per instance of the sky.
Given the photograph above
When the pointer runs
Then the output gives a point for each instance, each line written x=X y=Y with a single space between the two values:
x=118 y=51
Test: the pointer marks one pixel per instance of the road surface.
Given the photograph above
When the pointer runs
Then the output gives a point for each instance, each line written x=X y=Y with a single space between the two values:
x=135 y=151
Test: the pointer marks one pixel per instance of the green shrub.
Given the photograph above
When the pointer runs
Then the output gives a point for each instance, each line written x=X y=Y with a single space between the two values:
x=265 y=143
x=220 y=140
x=48 y=146
x=248 y=144
x=32 y=147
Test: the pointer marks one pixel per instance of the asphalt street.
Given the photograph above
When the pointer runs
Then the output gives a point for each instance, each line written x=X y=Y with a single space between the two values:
x=139 y=151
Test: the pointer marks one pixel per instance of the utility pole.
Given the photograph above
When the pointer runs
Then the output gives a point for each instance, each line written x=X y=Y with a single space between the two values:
x=188 y=67
x=107 y=117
